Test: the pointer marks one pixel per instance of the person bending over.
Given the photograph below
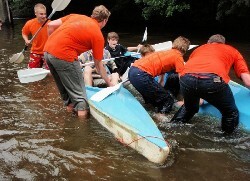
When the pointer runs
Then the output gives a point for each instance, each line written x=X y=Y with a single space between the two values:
x=143 y=72
x=70 y=36
x=205 y=76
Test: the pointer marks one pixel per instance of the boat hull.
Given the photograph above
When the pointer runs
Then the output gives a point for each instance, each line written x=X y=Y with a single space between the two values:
x=122 y=115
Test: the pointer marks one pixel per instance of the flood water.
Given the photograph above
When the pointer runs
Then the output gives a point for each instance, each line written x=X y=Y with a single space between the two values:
x=39 y=140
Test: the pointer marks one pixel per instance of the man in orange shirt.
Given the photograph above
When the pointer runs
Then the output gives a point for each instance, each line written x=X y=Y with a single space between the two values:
x=206 y=76
x=142 y=73
x=31 y=27
x=72 y=35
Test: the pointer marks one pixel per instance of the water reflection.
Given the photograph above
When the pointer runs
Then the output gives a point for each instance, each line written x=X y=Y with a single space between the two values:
x=39 y=140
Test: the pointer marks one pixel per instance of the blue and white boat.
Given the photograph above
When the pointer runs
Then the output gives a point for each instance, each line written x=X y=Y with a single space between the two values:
x=122 y=115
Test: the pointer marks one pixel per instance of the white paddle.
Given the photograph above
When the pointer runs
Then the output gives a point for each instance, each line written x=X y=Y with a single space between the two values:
x=110 y=59
x=144 y=38
x=57 y=5
x=32 y=75
x=102 y=94
x=36 y=74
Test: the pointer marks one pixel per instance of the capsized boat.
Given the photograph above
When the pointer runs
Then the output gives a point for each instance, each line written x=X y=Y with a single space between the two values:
x=122 y=115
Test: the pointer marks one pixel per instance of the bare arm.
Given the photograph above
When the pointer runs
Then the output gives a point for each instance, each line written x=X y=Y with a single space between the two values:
x=134 y=48
x=161 y=80
x=53 y=25
x=26 y=39
x=246 y=79
x=102 y=71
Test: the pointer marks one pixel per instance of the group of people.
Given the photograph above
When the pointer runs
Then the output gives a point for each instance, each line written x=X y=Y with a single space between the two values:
x=74 y=37
x=116 y=63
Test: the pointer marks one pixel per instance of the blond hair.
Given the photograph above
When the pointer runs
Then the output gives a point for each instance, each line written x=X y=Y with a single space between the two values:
x=112 y=35
x=39 y=6
x=100 y=13
x=217 y=39
x=146 y=49
x=182 y=44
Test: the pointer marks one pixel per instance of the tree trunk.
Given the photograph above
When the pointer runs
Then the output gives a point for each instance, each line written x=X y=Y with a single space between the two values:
x=5 y=12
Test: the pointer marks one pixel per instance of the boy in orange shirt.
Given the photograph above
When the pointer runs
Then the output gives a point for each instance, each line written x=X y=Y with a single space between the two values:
x=143 y=72
x=72 y=35
x=31 y=27
x=205 y=75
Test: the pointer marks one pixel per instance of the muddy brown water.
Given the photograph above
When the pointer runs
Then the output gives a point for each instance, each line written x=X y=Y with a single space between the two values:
x=39 y=140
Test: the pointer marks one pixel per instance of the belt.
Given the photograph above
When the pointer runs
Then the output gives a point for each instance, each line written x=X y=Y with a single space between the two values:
x=201 y=76
x=215 y=77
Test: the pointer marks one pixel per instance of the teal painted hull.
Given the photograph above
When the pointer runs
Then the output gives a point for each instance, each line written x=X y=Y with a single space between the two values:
x=123 y=110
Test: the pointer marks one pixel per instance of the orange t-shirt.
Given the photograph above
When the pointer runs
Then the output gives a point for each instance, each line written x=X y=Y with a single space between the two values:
x=77 y=34
x=161 y=62
x=39 y=41
x=216 y=58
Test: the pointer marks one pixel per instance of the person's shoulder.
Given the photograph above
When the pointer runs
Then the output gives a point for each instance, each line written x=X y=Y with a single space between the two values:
x=31 y=21
x=229 y=46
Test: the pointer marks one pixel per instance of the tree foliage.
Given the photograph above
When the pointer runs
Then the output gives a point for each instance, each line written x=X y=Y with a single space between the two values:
x=163 y=7
x=25 y=8
x=239 y=8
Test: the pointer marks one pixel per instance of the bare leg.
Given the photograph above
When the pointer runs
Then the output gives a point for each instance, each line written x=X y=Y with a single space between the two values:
x=87 y=74
x=114 y=78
